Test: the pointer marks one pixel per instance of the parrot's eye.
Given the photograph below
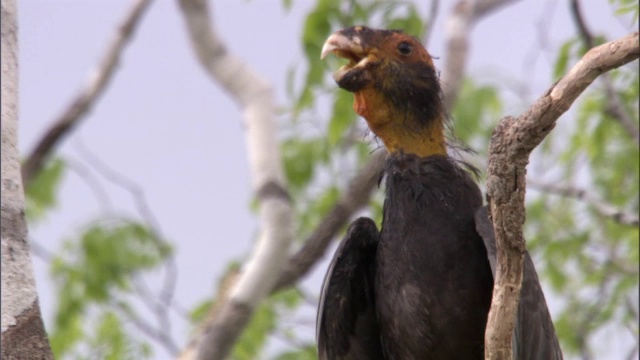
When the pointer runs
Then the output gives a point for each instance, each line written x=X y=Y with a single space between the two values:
x=405 y=48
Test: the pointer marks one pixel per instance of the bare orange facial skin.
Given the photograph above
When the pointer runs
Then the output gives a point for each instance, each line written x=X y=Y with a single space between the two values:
x=395 y=87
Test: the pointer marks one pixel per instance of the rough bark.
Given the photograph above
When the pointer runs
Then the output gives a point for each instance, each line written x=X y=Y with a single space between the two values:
x=87 y=96
x=509 y=150
x=23 y=334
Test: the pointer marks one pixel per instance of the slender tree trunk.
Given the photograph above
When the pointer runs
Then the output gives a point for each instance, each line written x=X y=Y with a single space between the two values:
x=23 y=335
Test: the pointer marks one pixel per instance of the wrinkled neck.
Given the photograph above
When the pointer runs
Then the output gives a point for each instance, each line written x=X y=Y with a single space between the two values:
x=401 y=131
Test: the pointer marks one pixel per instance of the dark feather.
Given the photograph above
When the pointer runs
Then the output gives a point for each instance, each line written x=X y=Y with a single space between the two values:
x=433 y=282
x=534 y=335
x=347 y=328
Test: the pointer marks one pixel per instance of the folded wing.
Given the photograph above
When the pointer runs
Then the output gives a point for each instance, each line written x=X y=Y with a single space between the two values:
x=534 y=336
x=346 y=327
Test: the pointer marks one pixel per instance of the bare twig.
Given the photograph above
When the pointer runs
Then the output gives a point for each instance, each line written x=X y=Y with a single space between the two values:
x=255 y=96
x=85 y=174
x=431 y=20
x=458 y=27
x=601 y=207
x=159 y=335
x=614 y=106
x=136 y=190
x=159 y=305
x=511 y=143
x=616 y=110
x=84 y=100
x=40 y=251
x=583 y=30
x=113 y=176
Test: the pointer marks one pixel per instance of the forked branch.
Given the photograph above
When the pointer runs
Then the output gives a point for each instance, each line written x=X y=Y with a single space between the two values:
x=86 y=97
x=509 y=150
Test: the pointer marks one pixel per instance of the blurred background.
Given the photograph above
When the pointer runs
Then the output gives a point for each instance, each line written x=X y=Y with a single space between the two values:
x=146 y=206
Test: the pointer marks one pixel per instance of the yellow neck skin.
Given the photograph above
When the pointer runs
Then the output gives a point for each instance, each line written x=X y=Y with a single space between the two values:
x=388 y=125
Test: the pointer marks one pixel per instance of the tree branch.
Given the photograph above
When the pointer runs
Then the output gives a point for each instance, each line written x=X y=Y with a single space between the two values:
x=511 y=143
x=601 y=207
x=254 y=95
x=85 y=99
x=614 y=107
x=458 y=28
x=159 y=335
x=431 y=20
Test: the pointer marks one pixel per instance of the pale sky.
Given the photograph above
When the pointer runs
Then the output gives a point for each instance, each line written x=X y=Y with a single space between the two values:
x=167 y=127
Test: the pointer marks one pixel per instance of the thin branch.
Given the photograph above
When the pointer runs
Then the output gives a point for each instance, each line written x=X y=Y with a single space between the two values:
x=431 y=20
x=98 y=80
x=511 y=143
x=159 y=305
x=254 y=95
x=354 y=198
x=583 y=30
x=159 y=335
x=118 y=179
x=40 y=251
x=96 y=188
x=465 y=15
x=601 y=207
x=614 y=105
x=616 y=110
x=591 y=311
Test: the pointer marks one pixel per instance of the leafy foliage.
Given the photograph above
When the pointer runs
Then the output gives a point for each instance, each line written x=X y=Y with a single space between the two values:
x=626 y=7
x=40 y=194
x=475 y=115
x=264 y=322
x=93 y=276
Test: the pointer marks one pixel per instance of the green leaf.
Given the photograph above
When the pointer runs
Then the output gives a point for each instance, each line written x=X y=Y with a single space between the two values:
x=287 y=4
x=475 y=114
x=254 y=336
x=411 y=23
x=300 y=158
x=95 y=269
x=342 y=119
x=40 y=194
x=565 y=55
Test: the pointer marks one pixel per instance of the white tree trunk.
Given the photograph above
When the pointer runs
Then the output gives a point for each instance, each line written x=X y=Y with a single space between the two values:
x=23 y=335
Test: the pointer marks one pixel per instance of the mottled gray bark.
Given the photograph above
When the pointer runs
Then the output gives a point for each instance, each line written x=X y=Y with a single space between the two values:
x=23 y=334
